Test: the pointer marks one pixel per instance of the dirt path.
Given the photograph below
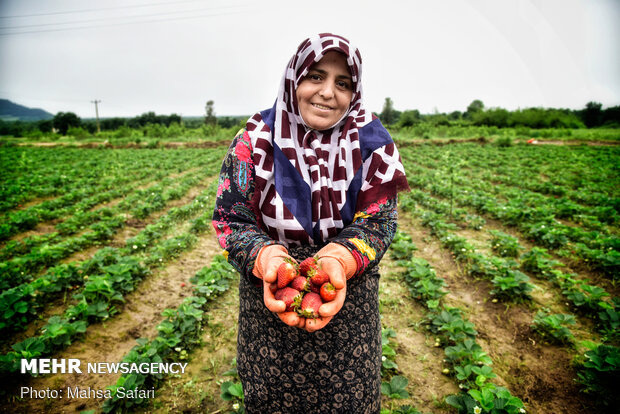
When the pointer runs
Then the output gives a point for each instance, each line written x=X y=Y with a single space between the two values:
x=541 y=375
x=110 y=341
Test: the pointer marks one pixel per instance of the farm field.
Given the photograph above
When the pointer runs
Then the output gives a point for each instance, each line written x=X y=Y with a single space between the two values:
x=500 y=289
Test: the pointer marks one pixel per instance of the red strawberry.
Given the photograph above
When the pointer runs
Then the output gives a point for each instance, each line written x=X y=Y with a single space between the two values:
x=328 y=292
x=287 y=271
x=310 y=305
x=301 y=284
x=318 y=277
x=290 y=296
x=307 y=264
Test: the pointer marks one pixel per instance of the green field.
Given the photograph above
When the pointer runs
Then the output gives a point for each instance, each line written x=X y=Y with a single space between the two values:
x=499 y=292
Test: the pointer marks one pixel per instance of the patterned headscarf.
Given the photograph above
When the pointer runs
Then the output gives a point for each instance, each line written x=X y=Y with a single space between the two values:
x=309 y=183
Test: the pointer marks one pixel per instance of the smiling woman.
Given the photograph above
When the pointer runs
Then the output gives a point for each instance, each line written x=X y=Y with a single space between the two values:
x=313 y=179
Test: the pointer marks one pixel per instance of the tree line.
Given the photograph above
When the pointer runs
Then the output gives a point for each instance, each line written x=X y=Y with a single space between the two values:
x=65 y=122
x=591 y=116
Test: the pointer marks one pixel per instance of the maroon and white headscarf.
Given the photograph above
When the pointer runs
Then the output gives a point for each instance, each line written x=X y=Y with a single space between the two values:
x=309 y=183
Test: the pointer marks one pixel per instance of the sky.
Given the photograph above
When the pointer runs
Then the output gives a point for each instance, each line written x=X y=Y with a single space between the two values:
x=172 y=56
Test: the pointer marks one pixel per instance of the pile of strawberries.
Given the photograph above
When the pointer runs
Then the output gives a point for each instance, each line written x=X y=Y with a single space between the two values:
x=304 y=287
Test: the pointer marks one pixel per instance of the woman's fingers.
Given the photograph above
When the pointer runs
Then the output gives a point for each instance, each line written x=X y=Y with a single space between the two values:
x=271 y=302
x=271 y=272
x=335 y=271
x=313 y=325
x=292 y=319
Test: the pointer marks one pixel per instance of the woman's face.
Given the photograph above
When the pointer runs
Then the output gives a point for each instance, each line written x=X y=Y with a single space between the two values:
x=324 y=95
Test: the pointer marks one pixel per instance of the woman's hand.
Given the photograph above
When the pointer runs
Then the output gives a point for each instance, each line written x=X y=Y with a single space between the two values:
x=338 y=262
x=266 y=268
x=327 y=310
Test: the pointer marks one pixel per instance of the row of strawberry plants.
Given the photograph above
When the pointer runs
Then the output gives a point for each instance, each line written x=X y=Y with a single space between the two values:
x=30 y=172
x=141 y=204
x=178 y=334
x=596 y=218
x=577 y=173
x=512 y=284
x=599 y=368
x=598 y=251
x=80 y=214
x=76 y=202
x=466 y=360
x=393 y=384
x=98 y=299
x=19 y=305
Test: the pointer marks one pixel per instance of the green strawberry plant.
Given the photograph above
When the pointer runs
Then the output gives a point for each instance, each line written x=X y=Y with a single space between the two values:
x=504 y=244
x=388 y=354
x=599 y=374
x=513 y=285
x=396 y=387
x=553 y=327
x=489 y=399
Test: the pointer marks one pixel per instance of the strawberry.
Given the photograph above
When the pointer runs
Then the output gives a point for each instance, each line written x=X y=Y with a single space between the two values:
x=290 y=296
x=310 y=305
x=307 y=264
x=301 y=284
x=328 y=292
x=318 y=277
x=287 y=271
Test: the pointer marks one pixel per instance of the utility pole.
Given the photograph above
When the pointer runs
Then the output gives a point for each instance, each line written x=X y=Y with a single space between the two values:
x=96 y=102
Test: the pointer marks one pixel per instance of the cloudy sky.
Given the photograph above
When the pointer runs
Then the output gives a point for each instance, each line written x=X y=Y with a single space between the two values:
x=171 y=56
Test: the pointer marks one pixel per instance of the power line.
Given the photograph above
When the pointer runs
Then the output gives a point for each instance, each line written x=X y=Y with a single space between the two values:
x=115 y=17
x=99 y=9
x=123 y=23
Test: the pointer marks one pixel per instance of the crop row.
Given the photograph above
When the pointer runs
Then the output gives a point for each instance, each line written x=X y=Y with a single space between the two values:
x=512 y=284
x=598 y=368
x=598 y=250
x=466 y=360
x=101 y=294
x=140 y=205
x=29 y=172
x=584 y=174
x=178 y=334
x=592 y=217
x=22 y=303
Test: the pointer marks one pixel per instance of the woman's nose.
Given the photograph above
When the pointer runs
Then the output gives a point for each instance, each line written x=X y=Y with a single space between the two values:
x=327 y=91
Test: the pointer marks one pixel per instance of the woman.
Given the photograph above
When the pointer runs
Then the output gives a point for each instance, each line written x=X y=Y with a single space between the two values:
x=316 y=174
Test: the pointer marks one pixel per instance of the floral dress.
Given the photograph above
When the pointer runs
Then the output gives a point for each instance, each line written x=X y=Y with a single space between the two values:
x=285 y=369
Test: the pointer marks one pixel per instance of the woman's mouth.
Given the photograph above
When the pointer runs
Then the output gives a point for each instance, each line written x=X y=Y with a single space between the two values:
x=322 y=107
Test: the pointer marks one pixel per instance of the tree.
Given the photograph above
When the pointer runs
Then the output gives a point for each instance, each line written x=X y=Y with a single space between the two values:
x=409 y=118
x=593 y=114
x=388 y=114
x=474 y=107
x=210 y=118
x=64 y=120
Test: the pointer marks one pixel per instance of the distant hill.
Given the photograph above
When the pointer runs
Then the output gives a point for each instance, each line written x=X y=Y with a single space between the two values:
x=12 y=111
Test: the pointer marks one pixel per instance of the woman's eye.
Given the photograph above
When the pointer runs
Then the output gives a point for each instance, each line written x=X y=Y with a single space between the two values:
x=343 y=85
x=314 y=76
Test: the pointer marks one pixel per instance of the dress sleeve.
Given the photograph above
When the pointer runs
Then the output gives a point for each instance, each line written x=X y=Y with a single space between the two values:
x=235 y=221
x=370 y=234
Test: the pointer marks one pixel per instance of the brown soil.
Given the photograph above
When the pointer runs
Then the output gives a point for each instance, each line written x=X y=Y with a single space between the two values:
x=111 y=340
x=541 y=375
